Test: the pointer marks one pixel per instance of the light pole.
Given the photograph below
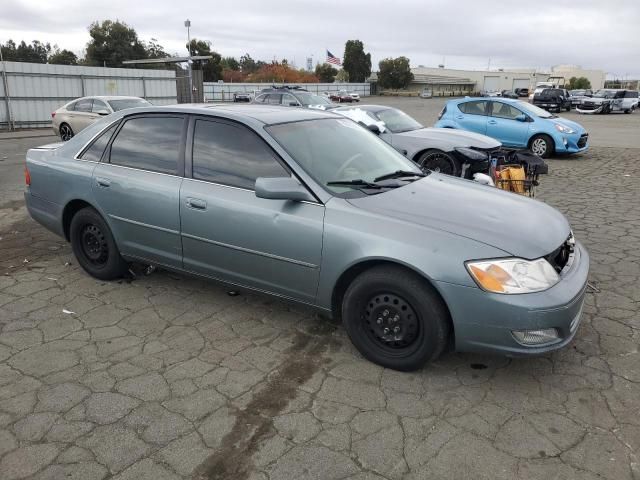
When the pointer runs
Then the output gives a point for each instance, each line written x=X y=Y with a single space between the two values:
x=187 y=23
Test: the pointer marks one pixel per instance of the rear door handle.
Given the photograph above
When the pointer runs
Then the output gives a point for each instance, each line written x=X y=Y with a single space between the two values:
x=196 y=203
x=103 y=182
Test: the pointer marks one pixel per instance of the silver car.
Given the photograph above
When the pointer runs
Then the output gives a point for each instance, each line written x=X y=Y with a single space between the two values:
x=311 y=207
x=78 y=114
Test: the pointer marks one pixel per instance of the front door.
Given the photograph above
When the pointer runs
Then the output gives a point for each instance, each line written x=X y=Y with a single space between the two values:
x=82 y=115
x=230 y=234
x=504 y=125
x=472 y=116
x=137 y=187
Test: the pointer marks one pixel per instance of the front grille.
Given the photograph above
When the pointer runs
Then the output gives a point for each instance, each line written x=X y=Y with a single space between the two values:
x=583 y=140
x=560 y=257
x=589 y=106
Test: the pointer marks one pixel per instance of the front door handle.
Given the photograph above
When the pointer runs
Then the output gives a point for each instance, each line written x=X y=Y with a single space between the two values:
x=196 y=203
x=103 y=182
x=492 y=122
x=459 y=117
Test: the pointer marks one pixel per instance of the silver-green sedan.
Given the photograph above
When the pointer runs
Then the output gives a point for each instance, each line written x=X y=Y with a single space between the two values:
x=311 y=207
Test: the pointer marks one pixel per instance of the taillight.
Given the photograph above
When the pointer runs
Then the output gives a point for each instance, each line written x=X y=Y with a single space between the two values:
x=27 y=177
x=53 y=114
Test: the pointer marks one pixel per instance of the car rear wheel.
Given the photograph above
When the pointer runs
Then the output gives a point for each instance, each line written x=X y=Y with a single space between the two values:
x=94 y=247
x=395 y=318
x=439 y=161
x=66 y=133
x=541 y=146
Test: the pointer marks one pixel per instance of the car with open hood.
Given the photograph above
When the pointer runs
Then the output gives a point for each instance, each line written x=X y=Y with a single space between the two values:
x=609 y=100
x=312 y=208
x=444 y=151
x=516 y=124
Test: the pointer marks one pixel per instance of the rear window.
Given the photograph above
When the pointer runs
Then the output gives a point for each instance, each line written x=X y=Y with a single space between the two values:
x=124 y=103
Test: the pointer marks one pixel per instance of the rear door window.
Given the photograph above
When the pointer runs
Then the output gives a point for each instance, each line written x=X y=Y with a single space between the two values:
x=477 y=107
x=149 y=143
x=95 y=151
x=631 y=94
x=274 y=99
x=231 y=154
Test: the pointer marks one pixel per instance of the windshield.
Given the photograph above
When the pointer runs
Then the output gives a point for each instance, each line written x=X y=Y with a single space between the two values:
x=605 y=94
x=334 y=149
x=533 y=110
x=577 y=92
x=311 y=99
x=128 y=103
x=397 y=121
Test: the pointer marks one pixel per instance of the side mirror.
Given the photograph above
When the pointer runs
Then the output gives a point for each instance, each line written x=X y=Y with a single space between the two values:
x=103 y=111
x=282 y=188
x=521 y=118
x=374 y=128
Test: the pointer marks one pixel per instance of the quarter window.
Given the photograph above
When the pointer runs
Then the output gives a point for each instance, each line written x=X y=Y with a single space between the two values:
x=232 y=155
x=149 y=143
x=477 y=107
x=94 y=152
x=260 y=99
x=502 y=110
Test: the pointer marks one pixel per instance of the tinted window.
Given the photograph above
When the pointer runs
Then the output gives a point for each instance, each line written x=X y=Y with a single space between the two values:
x=84 y=105
x=473 y=108
x=273 y=99
x=502 y=110
x=289 y=99
x=94 y=152
x=232 y=155
x=630 y=94
x=149 y=143
x=99 y=105
x=72 y=106
x=260 y=99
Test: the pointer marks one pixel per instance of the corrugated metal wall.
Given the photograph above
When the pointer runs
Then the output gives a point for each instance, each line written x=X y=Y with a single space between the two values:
x=223 y=92
x=36 y=90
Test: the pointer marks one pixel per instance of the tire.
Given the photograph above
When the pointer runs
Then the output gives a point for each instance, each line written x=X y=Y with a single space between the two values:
x=94 y=247
x=628 y=110
x=439 y=161
x=384 y=298
x=66 y=133
x=542 y=146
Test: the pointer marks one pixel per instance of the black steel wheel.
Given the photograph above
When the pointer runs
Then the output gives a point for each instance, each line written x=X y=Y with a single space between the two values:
x=66 y=133
x=439 y=161
x=94 y=247
x=395 y=318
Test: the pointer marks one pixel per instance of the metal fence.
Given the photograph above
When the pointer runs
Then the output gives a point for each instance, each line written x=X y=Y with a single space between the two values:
x=223 y=92
x=34 y=90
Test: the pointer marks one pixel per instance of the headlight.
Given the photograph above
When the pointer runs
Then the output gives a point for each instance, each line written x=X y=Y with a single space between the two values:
x=563 y=129
x=513 y=275
x=472 y=154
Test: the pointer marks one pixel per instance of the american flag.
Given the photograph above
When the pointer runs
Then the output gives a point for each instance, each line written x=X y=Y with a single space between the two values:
x=333 y=59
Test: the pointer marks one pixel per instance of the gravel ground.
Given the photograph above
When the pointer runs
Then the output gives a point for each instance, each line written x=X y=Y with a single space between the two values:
x=168 y=377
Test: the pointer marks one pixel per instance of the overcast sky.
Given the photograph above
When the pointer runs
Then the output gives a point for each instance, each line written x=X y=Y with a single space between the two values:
x=597 y=34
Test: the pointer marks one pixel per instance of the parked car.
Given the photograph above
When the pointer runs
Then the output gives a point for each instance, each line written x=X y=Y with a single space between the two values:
x=508 y=94
x=78 y=114
x=516 y=124
x=610 y=100
x=355 y=96
x=444 y=151
x=578 y=95
x=557 y=99
x=491 y=93
x=341 y=97
x=241 y=97
x=522 y=92
x=313 y=208
x=293 y=98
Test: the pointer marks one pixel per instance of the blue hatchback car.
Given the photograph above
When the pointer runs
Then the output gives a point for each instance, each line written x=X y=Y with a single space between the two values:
x=516 y=124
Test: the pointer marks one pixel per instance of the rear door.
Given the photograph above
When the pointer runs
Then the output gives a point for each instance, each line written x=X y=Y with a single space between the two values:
x=230 y=234
x=137 y=187
x=504 y=126
x=472 y=116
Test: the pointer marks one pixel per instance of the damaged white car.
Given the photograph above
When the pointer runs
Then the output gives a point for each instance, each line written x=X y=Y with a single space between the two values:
x=609 y=100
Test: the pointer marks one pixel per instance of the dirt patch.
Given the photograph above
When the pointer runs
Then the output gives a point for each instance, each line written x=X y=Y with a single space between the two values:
x=12 y=205
x=254 y=423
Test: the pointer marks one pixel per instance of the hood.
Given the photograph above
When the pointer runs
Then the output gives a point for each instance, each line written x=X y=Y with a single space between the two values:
x=458 y=138
x=576 y=127
x=596 y=100
x=512 y=223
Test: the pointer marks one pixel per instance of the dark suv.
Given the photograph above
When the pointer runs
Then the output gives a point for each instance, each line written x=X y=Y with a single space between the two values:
x=553 y=99
x=293 y=97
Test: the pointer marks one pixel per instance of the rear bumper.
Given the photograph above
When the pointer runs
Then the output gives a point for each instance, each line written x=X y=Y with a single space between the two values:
x=484 y=322
x=46 y=213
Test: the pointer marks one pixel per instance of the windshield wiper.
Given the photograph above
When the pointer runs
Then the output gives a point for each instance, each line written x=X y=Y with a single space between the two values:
x=358 y=182
x=399 y=174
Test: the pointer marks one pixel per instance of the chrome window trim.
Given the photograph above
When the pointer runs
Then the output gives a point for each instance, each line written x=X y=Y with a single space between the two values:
x=142 y=170
x=76 y=156
x=254 y=252
x=142 y=224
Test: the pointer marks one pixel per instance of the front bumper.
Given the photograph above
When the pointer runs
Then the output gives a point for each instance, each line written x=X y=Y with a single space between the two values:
x=581 y=109
x=571 y=142
x=484 y=322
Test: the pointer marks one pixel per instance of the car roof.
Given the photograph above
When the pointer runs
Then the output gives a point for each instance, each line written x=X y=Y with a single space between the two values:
x=367 y=108
x=265 y=114
x=487 y=99
x=110 y=97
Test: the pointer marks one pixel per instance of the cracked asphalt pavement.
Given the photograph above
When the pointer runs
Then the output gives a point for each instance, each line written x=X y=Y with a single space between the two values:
x=170 y=377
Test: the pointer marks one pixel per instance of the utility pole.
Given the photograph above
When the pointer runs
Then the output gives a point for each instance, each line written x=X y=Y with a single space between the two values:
x=7 y=99
x=187 y=23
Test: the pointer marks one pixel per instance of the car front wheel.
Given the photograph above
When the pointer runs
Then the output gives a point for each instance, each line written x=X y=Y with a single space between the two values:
x=541 y=146
x=94 y=246
x=395 y=318
x=439 y=161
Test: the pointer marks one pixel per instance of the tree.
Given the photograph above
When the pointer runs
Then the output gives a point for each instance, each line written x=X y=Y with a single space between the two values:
x=247 y=64
x=63 y=57
x=113 y=42
x=230 y=63
x=326 y=73
x=342 y=76
x=395 y=73
x=211 y=68
x=580 y=83
x=356 y=62
x=277 y=72
x=35 y=52
x=155 y=50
